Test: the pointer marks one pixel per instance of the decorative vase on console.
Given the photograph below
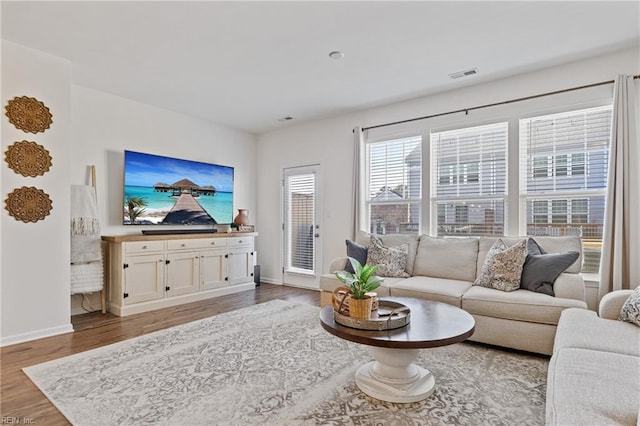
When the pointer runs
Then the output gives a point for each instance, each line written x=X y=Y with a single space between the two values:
x=242 y=218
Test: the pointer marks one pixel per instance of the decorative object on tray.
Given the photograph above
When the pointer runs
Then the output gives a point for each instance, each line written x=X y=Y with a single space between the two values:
x=28 y=204
x=359 y=283
x=29 y=114
x=340 y=300
x=242 y=218
x=28 y=158
x=246 y=228
x=374 y=297
x=390 y=315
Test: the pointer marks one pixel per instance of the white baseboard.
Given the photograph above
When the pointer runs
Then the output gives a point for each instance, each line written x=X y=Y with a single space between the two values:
x=271 y=281
x=25 y=337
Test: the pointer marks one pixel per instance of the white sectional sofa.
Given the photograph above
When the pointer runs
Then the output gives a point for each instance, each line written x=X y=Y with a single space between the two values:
x=444 y=269
x=594 y=373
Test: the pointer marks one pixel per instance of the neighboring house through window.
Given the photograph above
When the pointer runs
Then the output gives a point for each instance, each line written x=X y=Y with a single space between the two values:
x=469 y=175
x=563 y=176
x=394 y=187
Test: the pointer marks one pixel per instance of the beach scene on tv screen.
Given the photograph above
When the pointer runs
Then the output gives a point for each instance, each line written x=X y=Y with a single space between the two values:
x=170 y=191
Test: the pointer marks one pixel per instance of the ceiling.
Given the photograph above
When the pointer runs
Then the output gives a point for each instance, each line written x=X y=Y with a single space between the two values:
x=248 y=64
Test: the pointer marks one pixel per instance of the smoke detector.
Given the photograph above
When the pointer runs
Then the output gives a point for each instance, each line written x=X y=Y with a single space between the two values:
x=465 y=73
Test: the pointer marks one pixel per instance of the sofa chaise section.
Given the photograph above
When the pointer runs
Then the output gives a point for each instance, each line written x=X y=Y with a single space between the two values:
x=594 y=373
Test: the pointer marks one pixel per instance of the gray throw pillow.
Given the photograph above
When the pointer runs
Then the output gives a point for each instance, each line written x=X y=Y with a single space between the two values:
x=391 y=261
x=630 y=311
x=356 y=251
x=502 y=267
x=541 y=269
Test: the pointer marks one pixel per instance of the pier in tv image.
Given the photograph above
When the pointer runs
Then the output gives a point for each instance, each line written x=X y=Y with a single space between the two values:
x=170 y=191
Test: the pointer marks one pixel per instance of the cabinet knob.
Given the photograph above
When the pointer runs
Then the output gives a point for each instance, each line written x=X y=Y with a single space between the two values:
x=182 y=245
x=144 y=247
x=213 y=243
x=240 y=242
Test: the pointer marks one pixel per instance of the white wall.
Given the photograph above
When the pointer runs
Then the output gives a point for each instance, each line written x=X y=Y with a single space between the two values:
x=329 y=142
x=35 y=256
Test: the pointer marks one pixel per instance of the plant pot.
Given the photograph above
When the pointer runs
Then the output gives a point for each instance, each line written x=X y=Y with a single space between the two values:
x=360 y=308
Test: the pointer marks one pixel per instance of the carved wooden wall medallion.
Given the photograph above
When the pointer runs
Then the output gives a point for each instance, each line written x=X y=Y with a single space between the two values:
x=28 y=204
x=29 y=114
x=28 y=158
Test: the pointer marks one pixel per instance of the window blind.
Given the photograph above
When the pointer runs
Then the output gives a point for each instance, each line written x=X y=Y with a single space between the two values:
x=469 y=180
x=563 y=176
x=394 y=186
x=300 y=214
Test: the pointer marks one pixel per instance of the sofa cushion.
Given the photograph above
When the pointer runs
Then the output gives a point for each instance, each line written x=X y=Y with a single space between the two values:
x=453 y=258
x=563 y=245
x=394 y=240
x=630 y=311
x=391 y=261
x=438 y=289
x=519 y=305
x=541 y=269
x=549 y=244
x=586 y=387
x=358 y=252
x=581 y=328
x=502 y=268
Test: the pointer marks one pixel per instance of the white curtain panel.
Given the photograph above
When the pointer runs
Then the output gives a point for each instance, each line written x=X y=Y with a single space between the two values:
x=358 y=180
x=620 y=265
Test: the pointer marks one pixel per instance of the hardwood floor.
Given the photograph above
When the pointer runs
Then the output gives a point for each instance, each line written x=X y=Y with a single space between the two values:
x=21 y=401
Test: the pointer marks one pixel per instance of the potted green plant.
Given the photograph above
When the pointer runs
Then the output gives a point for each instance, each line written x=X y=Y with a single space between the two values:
x=359 y=283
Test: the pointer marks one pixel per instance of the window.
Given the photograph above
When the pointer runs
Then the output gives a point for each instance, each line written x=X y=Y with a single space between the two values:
x=469 y=175
x=394 y=187
x=571 y=200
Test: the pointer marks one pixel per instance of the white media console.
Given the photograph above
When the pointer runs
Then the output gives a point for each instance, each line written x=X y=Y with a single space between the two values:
x=146 y=272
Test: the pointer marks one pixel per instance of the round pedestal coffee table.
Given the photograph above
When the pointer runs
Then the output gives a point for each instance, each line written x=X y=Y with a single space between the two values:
x=394 y=376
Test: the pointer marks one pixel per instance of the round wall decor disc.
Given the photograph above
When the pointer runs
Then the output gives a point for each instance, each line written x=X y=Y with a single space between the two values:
x=28 y=158
x=28 y=204
x=29 y=114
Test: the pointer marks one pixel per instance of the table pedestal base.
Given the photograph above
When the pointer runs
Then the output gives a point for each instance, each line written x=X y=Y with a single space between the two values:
x=394 y=377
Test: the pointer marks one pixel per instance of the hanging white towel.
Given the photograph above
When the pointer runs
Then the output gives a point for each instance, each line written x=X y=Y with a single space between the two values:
x=87 y=273
x=85 y=225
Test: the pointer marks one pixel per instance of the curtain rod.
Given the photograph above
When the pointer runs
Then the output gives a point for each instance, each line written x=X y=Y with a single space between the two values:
x=510 y=101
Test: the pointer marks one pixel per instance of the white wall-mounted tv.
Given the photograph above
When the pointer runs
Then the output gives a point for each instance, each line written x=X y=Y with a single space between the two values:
x=171 y=191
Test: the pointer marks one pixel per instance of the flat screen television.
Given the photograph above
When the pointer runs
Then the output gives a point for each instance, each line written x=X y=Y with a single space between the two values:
x=171 y=191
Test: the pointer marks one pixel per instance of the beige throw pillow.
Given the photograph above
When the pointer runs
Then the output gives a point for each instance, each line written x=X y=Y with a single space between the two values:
x=391 y=261
x=503 y=266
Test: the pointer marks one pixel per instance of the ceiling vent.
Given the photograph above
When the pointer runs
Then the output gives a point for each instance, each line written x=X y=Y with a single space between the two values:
x=465 y=73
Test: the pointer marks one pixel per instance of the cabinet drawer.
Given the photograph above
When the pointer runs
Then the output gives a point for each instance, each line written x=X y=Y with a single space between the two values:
x=181 y=244
x=240 y=241
x=210 y=243
x=143 y=246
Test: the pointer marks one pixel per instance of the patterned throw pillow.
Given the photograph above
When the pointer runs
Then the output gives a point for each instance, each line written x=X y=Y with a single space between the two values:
x=503 y=266
x=391 y=261
x=630 y=311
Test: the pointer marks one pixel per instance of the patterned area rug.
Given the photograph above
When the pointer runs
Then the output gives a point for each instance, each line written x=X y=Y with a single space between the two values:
x=272 y=364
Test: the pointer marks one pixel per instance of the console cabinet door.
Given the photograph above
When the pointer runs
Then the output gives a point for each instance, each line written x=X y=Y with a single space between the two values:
x=143 y=278
x=183 y=273
x=213 y=269
x=241 y=265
